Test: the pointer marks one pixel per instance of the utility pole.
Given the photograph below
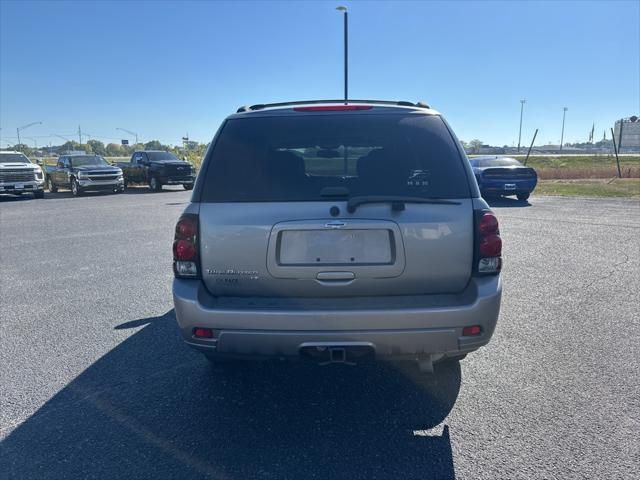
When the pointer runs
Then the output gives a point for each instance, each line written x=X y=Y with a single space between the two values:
x=616 y=149
x=522 y=102
x=129 y=132
x=531 y=146
x=24 y=127
x=620 y=136
x=342 y=8
x=80 y=135
x=564 y=113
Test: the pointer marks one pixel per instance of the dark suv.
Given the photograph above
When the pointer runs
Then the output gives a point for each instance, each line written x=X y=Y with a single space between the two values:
x=337 y=231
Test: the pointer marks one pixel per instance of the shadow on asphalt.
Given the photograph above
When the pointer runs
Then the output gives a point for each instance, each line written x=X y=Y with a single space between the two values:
x=151 y=408
x=506 y=202
x=18 y=198
x=133 y=190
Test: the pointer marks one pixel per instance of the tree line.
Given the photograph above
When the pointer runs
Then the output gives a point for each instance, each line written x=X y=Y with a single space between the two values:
x=193 y=151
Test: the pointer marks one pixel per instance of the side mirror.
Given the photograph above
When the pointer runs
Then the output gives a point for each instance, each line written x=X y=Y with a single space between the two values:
x=39 y=162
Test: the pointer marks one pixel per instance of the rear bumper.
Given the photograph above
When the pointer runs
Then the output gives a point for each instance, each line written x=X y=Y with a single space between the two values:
x=508 y=187
x=399 y=327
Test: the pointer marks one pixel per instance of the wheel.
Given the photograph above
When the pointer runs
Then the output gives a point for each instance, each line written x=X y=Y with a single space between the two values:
x=188 y=186
x=523 y=196
x=76 y=191
x=50 y=186
x=155 y=185
x=38 y=194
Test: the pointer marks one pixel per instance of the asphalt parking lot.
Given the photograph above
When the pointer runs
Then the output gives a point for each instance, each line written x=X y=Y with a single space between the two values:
x=95 y=382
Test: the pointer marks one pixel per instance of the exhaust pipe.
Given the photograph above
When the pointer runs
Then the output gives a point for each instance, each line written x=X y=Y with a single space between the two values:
x=425 y=364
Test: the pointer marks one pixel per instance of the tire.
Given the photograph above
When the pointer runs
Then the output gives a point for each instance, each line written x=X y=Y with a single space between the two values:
x=155 y=185
x=76 y=191
x=51 y=186
x=523 y=196
x=188 y=186
x=38 y=194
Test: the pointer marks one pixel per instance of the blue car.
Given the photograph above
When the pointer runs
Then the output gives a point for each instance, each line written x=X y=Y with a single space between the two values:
x=503 y=176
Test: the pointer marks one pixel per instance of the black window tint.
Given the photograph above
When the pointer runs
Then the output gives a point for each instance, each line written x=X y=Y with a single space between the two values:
x=294 y=157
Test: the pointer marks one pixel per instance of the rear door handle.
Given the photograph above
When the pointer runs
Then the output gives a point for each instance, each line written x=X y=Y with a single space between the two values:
x=335 y=276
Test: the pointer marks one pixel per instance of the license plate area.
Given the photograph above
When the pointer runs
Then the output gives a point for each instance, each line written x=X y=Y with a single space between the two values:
x=307 y=249
x=509 y=186
x=336 y=247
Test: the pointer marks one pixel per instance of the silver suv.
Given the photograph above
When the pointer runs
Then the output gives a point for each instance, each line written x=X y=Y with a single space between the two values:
x=337 y=231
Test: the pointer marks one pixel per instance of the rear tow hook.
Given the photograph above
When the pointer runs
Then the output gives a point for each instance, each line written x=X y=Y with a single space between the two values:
x=337 y=355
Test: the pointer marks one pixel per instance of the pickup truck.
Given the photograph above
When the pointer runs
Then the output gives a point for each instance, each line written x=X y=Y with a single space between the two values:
x=19 y=175
x=81 y=173
x=157 y=168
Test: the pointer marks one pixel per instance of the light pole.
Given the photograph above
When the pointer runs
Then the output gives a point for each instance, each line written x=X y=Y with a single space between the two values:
x=522 y=102
x=129 y=132
x=342 y=8
x=25 y=126
x=564 y=113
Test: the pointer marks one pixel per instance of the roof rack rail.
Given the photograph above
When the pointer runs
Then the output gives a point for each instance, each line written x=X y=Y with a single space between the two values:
x=261 y=106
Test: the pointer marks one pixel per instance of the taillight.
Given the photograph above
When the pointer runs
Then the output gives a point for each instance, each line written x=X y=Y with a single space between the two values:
x=185 y=247
x=488 y=244
x=201 y=332
x=471 y=331
x=184 y=250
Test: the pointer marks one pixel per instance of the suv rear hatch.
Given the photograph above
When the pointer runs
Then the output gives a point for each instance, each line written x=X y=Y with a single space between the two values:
x=350 y=203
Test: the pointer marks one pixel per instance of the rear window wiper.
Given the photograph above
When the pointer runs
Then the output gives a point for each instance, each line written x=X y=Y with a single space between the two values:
x=397 y=202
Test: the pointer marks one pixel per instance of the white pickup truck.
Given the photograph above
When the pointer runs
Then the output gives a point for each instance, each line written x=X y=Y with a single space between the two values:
x=19 y=175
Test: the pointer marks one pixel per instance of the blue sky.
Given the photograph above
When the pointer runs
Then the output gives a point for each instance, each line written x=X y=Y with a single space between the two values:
x=163 y=69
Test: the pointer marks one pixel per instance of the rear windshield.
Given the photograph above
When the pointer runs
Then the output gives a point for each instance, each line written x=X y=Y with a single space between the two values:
x=305 y=157
x=496 y=162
